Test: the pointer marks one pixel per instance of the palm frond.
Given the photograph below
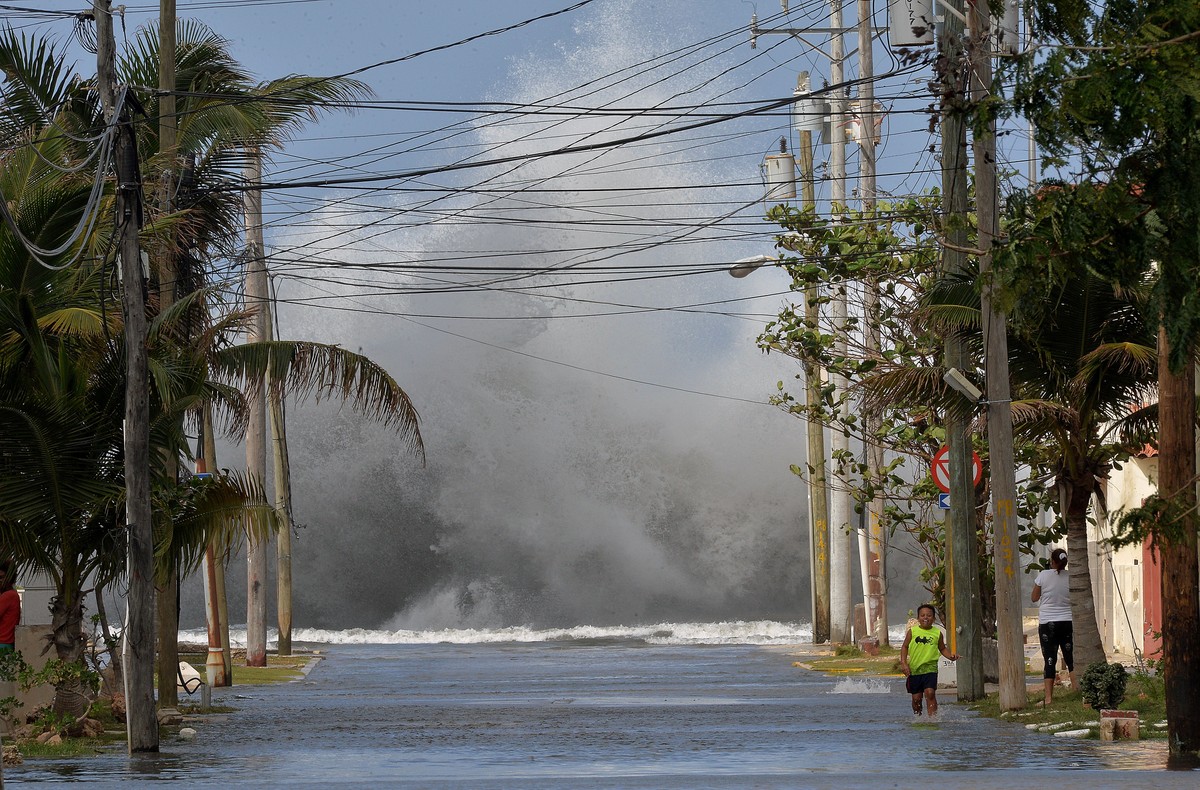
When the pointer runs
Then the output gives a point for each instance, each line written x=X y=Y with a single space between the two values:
x=914 y=387
x=221 y=511
x=1129 y=360
x=1139 y=429
x=1037 y=419
x=37 y=82
x=301 y=369
x=54 y=464
x=81 y=322
x=293 y=99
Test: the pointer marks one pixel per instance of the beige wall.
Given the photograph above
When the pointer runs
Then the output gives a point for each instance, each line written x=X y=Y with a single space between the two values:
x=1117 y=575
x=31 y=640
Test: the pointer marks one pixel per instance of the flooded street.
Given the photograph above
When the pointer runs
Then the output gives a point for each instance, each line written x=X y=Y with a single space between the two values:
x=604 y=714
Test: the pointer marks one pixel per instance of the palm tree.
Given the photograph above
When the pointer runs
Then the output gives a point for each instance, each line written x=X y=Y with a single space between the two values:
x=1084 y=366
x=223 y=119
x=61 y=452
x=1082 y=359
x=61 y=403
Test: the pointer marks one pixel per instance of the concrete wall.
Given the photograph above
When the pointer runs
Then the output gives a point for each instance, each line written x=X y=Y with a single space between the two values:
x=32 y=638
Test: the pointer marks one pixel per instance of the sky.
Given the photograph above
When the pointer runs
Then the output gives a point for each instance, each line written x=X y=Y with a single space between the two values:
x=599 y=446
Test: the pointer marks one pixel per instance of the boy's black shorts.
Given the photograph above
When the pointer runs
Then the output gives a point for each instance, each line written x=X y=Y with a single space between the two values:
x=916 y=684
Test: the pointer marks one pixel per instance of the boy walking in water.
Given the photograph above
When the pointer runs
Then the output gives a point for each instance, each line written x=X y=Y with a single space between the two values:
x=923 y=643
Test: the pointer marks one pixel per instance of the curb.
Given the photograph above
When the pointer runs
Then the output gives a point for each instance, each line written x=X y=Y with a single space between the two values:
x=312 y=663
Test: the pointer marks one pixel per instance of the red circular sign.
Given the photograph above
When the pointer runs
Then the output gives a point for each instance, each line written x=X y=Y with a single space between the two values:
x=939 y=468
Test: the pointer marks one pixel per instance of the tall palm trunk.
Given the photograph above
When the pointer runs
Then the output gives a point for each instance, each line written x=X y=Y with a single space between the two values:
x=110 y=642
x=283 y=510
x=220 y=560
x=1088 y=646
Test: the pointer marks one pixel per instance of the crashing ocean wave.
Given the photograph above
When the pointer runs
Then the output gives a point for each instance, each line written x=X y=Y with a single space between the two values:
x=738 y=632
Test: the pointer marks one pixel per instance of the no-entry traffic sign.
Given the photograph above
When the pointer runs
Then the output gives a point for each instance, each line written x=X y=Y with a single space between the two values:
x=939 y=467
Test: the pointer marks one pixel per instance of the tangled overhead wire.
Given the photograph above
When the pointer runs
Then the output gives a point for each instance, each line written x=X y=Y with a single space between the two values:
x=85 y=31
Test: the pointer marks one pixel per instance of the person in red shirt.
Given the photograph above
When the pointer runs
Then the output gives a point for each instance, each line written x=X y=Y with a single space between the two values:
x=10 y=609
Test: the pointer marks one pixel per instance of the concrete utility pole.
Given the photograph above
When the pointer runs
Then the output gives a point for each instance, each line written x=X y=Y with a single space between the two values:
x=214 y=663
x=817 y=490
x=138 y=636
x=841 y=533
x=256 y=453
x=877 y=620
x=1009 y=628
x=966 y=608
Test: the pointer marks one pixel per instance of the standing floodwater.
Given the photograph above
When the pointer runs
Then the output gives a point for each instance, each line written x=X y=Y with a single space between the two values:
x=604 y=713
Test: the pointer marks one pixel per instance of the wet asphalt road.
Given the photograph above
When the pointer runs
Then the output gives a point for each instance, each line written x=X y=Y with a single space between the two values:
x=614 y=714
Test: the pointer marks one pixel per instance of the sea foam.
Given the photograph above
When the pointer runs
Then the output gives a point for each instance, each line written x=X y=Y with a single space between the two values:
x=740 y=632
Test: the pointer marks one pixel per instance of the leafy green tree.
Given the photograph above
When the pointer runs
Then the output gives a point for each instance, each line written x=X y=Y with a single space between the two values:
x=1083 y=362
x=1119 y=100
x=902 y=382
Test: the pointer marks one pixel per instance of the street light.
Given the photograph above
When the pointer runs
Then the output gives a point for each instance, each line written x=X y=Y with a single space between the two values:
x=962 y=385
x=744 y=266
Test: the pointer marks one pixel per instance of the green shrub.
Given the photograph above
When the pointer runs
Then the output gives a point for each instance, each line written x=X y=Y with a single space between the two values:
x=1103 y=685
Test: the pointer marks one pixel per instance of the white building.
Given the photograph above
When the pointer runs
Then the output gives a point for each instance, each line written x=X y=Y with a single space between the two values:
x=1126 y=581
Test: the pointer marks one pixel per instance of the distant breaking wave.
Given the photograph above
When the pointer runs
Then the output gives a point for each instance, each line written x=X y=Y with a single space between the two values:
x=740 y=632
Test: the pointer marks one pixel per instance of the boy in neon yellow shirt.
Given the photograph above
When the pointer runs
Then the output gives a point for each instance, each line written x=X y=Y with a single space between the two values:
x=923 y=643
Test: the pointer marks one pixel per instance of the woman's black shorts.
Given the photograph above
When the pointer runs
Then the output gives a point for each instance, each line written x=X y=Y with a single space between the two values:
x=1054 y=637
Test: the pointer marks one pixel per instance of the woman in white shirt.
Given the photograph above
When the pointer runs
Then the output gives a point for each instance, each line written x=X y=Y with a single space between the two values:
x=1051 y=592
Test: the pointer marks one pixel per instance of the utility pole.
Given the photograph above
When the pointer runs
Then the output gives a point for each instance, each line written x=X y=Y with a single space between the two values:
x=138 y=636
x=817 y=491
x=966 y=614
x=841 y=534
x=1005 y=555
x=168 y=594
x=877 y=621
x=256 y=456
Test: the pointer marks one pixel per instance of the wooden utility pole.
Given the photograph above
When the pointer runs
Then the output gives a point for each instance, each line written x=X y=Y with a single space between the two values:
x=818 y=501
x=965 y=631
x=138 y=636
x=256 y=455
x=1180 y=574
x=840 y=543
x=1010 y=630
x=876 y=599
x=168 y=594
x=168 y=124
